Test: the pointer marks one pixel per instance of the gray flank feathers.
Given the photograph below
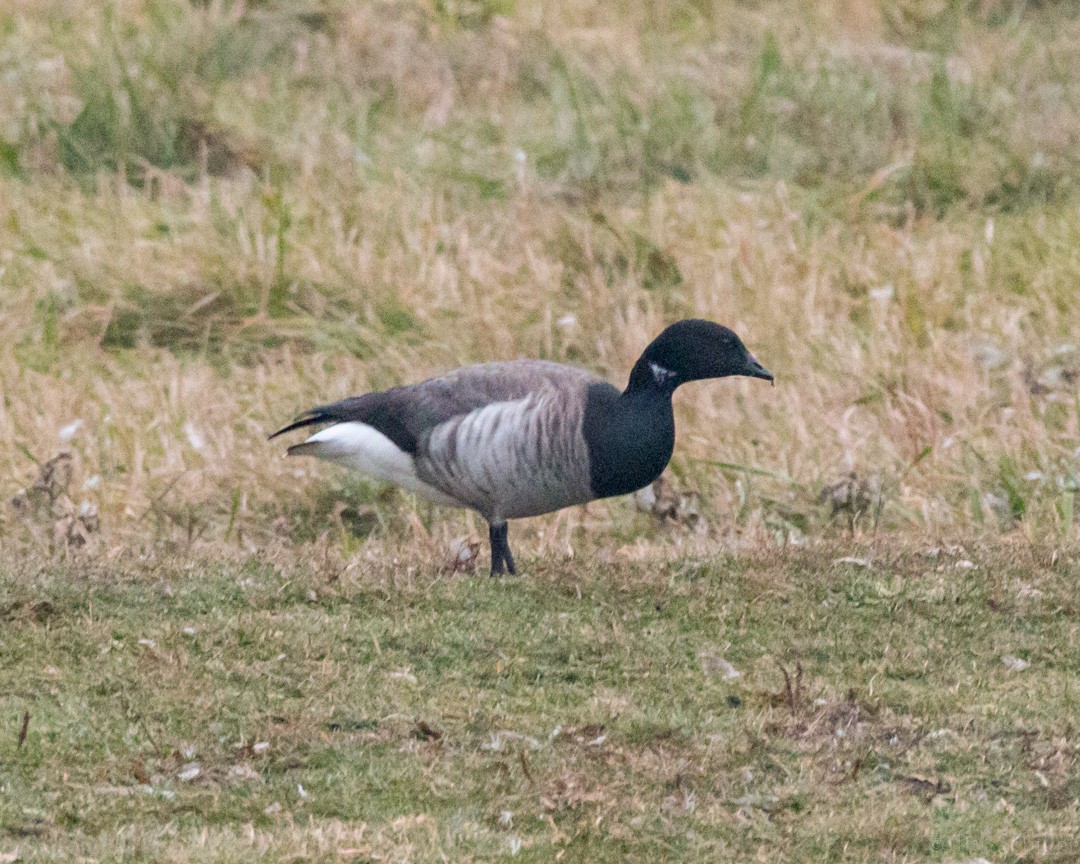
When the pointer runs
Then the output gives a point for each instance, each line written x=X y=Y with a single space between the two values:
x=501 y=438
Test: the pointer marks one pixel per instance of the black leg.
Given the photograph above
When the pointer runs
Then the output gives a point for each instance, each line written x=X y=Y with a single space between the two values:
x=495 y=540
x=502 y=561
x=508 y=556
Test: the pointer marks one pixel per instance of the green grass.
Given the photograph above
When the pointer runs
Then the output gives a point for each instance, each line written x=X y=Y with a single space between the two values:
x=579 y=711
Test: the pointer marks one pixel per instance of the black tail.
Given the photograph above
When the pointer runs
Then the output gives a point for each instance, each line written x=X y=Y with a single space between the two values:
x=373 y=409
x=311 y=418
x=354 y=408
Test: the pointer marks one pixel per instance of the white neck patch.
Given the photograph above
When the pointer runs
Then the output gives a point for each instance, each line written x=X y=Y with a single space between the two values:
x=661 y=374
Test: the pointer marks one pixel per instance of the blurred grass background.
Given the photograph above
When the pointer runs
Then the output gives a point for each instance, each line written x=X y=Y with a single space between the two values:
x=215 y=214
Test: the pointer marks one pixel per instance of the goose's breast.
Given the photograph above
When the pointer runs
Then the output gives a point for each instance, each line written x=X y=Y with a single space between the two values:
x=512 y=459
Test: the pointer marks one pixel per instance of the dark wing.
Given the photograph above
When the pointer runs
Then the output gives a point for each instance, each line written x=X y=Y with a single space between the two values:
x=406 y=414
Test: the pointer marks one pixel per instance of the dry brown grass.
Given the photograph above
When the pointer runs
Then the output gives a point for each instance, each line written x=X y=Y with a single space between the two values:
x=353 y=197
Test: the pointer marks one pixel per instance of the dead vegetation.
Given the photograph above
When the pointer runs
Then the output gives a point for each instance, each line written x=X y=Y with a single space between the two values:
x=48 y=511
x=217 y=214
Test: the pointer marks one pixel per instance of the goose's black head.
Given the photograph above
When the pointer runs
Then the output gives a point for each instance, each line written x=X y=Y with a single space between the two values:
x=693 y=350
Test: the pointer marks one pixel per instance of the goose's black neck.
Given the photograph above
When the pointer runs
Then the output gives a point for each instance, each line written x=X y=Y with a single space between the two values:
x=630 y=435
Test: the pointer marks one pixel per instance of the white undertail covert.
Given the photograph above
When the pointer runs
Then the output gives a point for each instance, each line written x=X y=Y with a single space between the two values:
x=364 y=448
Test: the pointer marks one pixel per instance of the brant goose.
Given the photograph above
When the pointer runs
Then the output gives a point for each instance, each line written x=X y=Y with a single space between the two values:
x=525 y=437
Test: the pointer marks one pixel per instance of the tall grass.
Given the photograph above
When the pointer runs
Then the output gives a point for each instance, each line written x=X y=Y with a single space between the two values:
x=215 y=214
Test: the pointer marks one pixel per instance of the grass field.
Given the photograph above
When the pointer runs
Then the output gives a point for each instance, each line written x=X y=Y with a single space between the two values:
x=214 y=214
x=780 y=707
